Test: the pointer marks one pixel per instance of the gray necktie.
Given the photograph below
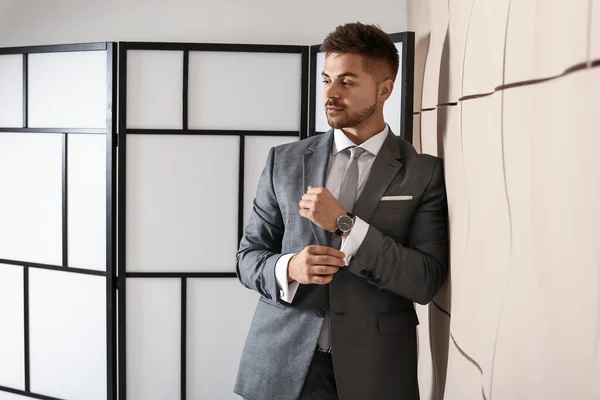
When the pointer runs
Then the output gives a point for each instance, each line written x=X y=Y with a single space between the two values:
x=349 y=187
x=347 y=198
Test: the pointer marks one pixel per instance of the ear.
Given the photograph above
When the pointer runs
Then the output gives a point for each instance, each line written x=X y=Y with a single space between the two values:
x=385 y=89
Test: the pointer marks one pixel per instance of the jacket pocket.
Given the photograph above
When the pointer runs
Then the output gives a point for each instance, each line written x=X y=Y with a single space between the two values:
x=396 y=321
x=272 y=303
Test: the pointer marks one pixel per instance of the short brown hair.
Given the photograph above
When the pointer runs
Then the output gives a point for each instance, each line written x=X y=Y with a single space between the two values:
x=367 y=40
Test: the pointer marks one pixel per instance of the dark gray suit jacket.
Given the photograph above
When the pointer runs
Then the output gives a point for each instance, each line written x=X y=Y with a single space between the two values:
x=403 y=259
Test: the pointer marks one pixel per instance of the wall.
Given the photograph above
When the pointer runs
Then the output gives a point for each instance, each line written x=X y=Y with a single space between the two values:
x=24 y=23
x=225 y=21
x=509 y=93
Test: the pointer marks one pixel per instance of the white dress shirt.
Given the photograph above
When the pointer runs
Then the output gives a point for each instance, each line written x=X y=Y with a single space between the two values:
x=333 y=183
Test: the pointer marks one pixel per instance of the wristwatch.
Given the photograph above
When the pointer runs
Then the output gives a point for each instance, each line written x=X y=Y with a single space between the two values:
x=344 y=224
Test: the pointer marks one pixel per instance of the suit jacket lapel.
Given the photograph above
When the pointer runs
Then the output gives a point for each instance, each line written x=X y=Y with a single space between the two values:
x=314 y=174
x=385 y=167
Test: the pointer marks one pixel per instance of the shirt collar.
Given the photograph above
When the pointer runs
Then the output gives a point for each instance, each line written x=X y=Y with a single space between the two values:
x=373 y=145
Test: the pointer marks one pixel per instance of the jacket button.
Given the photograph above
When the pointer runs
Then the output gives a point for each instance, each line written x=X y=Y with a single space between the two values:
x=320 y=313
x=364 y=272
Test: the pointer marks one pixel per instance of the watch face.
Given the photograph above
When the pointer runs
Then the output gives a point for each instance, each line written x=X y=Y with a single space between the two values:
x=344 y=223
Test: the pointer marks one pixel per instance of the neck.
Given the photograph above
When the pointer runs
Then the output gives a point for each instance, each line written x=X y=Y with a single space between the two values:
x=365 y=130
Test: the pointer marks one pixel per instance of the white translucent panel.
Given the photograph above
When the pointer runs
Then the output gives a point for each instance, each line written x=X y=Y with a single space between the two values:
x=11 y=90
x=216 y=333
x=87 y=201
x=67 y=90
x=484 y=51
x=321 y=124
x=12 y=333
x=10 y=396
x=393 y=107
x=154 y=89
x=31 y=200
x=67 y=334
x=153 y=338
x=257 y=91
x=257 y=149
x=182 y=203
x=438 y=11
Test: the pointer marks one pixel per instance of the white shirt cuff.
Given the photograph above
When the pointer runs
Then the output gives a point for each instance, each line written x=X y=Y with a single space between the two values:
x=286 y=291
x=352 y=243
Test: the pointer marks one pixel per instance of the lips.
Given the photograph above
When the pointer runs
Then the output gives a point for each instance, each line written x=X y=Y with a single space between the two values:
x=334 y=109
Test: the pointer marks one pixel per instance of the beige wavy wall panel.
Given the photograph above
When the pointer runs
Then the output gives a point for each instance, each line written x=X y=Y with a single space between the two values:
x=464 y=376
x=438 y=11
x=520 y=37
x=566 y=193
x=484 y=49
x=419 y=21
x=479 y=281
x=449 y=130
x=459 y=13
x=595 y=30
x=561 y=36
x=426 y=374
x=544 y=38
x=439 y=327
x=517 y=373
x=429 y=134
x=433 y=351
x=417 y=132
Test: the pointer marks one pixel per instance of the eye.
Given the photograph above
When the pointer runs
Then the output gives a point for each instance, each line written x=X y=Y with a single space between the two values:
x=326 y=81
x=348 y=83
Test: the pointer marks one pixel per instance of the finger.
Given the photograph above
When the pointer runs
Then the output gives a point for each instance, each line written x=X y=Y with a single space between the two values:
x=322 y=270
x=312 y=190
x=325 y=250
x=326 y=260
x=309 y=196
x=321 y=279
x=304 y=212
x=306 y=204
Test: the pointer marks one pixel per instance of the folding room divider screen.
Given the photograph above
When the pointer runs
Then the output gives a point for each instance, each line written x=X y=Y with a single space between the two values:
x=196 y=122
x=57 y=238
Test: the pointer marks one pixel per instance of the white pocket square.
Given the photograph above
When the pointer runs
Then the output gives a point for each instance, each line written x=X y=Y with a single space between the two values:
x=390 y=198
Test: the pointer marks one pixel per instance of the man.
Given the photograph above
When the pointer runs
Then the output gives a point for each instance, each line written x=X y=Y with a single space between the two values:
x=341 y=323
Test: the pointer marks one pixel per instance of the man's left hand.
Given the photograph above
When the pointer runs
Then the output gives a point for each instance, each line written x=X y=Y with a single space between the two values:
x=319 y=205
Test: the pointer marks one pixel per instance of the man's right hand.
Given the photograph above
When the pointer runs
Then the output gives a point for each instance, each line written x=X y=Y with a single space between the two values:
x=315 y=264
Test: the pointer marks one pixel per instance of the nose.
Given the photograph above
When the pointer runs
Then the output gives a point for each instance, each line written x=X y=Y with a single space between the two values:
x=330 y=92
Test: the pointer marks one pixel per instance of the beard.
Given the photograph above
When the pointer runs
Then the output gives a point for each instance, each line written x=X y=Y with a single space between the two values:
x=348 y=119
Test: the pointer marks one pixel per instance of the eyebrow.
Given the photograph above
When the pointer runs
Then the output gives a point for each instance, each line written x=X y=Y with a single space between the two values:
x=345 y=74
